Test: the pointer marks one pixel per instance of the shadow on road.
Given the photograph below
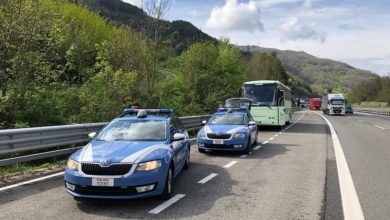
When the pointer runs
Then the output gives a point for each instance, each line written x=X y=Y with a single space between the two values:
x=199 y=197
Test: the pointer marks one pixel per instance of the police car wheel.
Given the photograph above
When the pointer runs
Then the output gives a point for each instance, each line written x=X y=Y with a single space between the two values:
x=187 y=164
x=257 y=133
x=201 y=150
x=167 y=193
x=248 y=147
x=80 y=200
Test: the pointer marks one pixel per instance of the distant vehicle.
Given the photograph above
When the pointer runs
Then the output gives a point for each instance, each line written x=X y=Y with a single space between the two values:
x=136 y=155
x=271 y=101
x=348 y=109
x=333 y=104
x=231 y=128
x=315 y=103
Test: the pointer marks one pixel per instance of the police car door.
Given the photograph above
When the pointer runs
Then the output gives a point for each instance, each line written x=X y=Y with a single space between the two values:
x=178 y=146
x=252 y=129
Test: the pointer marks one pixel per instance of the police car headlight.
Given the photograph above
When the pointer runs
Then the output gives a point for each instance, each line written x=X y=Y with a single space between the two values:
x=150 y=165
x=239 y=136
x=201 y=133
x=72 y=164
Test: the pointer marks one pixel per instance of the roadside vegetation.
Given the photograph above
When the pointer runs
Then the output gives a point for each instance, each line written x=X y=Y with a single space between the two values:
x=374 y=90
x=61 y=63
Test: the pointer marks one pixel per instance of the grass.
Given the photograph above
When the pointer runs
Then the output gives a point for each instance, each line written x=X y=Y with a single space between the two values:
x=29 y=167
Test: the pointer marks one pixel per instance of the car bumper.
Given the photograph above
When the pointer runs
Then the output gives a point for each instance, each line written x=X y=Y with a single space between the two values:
x=124 y=187
x=228 y=145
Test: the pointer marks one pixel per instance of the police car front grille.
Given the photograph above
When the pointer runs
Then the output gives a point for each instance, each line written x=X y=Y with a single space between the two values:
x=105 y=191
x=112 y=170
x=218 y=136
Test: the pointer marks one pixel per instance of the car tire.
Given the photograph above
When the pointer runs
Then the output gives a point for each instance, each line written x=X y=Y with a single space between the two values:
x=248 y=147
x=187 y=164
x=168 y=188
x=79 y=200
x=257 y=135
x=201 y=150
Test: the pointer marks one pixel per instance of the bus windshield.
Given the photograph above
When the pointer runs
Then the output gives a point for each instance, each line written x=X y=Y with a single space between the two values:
x=262 y=95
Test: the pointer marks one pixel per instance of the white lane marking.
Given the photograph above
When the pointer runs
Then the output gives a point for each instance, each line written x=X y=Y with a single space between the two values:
x=361 y=121
x=266 y=142
x=207 y=178
x=244 y=155
x=257 y=147
x=230 y=164
x=276 y=135
x=166 y=204
x=380 y=127
x=349 y=198
x=280 y=132
x=31 y=181
x=271 y=138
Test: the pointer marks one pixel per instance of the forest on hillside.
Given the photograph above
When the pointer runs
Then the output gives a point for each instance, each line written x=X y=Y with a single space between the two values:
x=61 y=63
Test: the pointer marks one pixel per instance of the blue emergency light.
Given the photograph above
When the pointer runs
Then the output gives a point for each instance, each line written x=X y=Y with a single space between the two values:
x=162 y=110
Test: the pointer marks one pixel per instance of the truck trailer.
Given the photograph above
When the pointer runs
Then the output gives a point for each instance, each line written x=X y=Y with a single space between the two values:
x=333 y=104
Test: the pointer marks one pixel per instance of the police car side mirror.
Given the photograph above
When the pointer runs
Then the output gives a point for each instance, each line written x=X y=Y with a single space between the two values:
x=178 y=137
x=252 y=123
x=204 y=122
x=92 y=135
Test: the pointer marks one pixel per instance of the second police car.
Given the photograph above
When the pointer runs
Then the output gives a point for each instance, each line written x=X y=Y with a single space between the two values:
x=231 y=128
x=136 y=155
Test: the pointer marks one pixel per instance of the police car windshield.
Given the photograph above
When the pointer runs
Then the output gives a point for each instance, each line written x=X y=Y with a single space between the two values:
x=134 y=131
x=228 y=119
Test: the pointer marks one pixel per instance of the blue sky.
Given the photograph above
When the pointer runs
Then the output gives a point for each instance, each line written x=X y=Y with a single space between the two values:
x=356 y=32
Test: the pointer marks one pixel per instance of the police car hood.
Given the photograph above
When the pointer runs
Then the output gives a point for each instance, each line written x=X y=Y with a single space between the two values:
x=108 y=152
x=224 y=129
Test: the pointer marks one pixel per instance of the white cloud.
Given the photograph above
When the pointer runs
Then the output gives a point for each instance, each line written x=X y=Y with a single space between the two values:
x=270 y=3
x=301 y=25
x=235 y=16
x=137 y=3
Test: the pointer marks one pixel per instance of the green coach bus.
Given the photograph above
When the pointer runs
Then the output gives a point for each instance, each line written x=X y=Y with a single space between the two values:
x=271 y=101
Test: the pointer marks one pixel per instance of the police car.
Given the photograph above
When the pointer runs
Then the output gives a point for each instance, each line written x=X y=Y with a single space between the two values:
x=231 y=128
x=136 y=155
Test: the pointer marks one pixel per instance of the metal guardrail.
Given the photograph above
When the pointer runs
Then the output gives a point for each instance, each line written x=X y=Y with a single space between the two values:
x=375 y=111
x=40 y=138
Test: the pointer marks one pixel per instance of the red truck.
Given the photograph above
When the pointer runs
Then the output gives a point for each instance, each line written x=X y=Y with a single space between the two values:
x=315 y=103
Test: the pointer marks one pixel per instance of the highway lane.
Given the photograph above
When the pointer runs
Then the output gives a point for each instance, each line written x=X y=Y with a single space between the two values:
x=282 y=179
x=377 y=121
x=367 y=150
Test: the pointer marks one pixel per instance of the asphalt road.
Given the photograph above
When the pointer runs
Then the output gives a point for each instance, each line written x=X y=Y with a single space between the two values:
x=290 y=175
x=366 y=143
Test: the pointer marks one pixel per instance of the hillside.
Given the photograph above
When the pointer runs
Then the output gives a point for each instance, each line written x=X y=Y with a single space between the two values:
x=321 y=74
x=179 y=33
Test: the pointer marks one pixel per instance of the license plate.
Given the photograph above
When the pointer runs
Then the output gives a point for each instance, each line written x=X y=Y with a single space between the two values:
x=217 y=141
x=108 y=182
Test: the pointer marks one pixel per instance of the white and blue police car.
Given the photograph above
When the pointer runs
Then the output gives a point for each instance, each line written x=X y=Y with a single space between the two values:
x=136 y=155
x=231 y=128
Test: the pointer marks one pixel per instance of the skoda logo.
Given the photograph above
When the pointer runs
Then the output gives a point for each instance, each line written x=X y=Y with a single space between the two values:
x=104 y=162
